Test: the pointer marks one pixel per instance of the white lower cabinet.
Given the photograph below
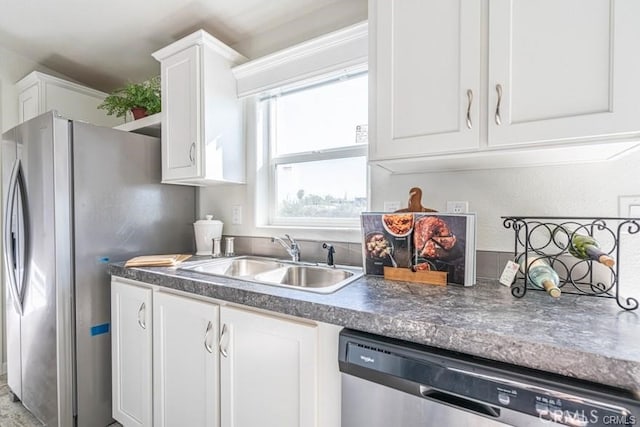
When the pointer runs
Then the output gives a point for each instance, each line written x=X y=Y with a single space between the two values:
x=268 y=370
x=217 y=364
x=131 y=338
x=185 y=362
x=165 y=357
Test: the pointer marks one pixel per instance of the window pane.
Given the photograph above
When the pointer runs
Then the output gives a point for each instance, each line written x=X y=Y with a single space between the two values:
x=321 y=117
x=322 y=189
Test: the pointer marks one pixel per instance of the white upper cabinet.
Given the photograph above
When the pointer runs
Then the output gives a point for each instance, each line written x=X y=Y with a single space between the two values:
x=39 y=93
x=181 y=148
x=565 y=69
x=29 y=103
x=202 y=117
x=425 y=77
x=470 y=84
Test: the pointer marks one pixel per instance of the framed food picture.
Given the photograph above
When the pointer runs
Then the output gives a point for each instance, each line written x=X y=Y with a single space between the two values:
x=386 y=241
x=422 y=242
x=446 y=242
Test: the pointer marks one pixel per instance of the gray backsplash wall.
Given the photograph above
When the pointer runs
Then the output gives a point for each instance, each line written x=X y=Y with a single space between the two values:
x=310 y=250
x=489 y=264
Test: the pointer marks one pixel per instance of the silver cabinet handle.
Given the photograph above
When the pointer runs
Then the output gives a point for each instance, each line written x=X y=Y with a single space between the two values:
x=470 y=100
x=206 y=335
x=223 y=350
x=499 y=91
x=192 y=153
x=141 y=322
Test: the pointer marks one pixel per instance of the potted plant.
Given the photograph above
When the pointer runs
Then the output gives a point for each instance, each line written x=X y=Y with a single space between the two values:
x=142 y=99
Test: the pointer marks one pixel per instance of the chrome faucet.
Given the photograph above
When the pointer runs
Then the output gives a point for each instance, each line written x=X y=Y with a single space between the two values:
x=293 y=249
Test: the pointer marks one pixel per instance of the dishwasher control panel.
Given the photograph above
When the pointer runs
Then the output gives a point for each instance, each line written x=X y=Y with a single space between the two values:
x=545 y=403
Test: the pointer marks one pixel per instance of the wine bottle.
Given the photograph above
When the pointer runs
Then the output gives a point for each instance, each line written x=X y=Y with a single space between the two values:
x=588 y=248
x=541 y=275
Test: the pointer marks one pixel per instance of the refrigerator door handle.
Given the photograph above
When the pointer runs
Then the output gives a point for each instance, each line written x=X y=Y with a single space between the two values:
x=17 y=187
x=9 y=244
x=26 y=237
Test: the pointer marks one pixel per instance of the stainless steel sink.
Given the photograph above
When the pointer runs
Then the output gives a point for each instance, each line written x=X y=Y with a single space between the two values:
x=313 y=278
x=236 y=267
x=304 y=276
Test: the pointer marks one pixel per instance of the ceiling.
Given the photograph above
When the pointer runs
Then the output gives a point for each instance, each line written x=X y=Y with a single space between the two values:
x=105 y=44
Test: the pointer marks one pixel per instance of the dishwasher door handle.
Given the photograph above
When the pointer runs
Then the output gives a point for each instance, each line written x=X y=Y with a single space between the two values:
x=459 y=402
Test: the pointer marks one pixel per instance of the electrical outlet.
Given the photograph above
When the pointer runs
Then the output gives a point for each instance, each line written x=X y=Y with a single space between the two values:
x=628 y=206
x=391 y=206
x=457 y=207
x=236 y=215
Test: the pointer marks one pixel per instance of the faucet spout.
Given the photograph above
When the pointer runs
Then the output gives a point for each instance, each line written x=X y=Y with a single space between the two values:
x=292 y=248
x=330 y=252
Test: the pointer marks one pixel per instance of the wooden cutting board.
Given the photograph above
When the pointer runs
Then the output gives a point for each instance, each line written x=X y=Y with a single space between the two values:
x=156 y=260
x=406 y=275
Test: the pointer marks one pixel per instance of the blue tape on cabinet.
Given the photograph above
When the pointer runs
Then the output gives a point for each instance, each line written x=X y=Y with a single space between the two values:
x=100 y=329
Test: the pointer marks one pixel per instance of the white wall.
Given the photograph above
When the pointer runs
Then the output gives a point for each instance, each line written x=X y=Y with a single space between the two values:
x=569 y=190
x=14 y=67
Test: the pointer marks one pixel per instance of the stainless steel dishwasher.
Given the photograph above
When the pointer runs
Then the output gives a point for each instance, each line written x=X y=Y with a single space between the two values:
x=387 y=382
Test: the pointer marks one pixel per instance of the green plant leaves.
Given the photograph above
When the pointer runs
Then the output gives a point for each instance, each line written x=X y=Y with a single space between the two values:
x=145 y=95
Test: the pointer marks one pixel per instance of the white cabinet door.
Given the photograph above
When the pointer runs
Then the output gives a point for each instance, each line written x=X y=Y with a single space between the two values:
x=39 y=93
x=268 y=371
x=424 y=65
x=28 y=103
x=565 y=69
x=181 y=132
x=202 y=123
x=185 y=362
x=132 y=325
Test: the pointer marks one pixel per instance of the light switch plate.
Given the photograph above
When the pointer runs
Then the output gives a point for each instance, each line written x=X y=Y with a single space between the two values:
x=236 y=215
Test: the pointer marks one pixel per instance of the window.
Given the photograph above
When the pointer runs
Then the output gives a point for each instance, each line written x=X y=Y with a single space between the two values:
x=315 y=141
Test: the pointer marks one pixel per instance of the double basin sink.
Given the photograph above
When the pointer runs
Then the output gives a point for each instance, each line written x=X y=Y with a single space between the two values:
x=271 y=271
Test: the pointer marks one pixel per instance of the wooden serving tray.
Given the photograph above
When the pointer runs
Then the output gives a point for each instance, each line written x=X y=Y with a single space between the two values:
x=438 y=278
x=156 y=260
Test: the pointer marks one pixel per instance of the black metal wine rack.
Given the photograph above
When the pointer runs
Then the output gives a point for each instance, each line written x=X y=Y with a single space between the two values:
x=549 y=238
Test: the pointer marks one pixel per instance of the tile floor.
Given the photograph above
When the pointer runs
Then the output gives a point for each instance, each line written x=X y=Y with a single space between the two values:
x=14 y=414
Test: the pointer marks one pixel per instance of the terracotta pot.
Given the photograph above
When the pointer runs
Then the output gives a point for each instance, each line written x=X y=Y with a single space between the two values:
x=138 y=112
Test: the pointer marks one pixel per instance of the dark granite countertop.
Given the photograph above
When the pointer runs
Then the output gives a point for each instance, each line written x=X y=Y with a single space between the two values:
x=581 y=337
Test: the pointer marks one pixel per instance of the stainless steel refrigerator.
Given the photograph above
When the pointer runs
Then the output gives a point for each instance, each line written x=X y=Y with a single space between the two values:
x=75 y=198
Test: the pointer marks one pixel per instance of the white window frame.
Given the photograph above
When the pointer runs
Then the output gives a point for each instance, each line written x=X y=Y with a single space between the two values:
x=338 y=53
x=267 y=141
